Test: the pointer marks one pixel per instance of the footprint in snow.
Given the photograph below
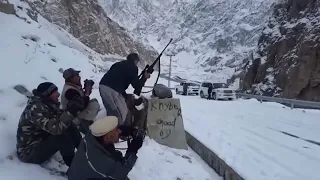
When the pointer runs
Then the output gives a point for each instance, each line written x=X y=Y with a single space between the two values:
x=31 y=37
x=51 y=45
x=44 y=78
x=3 y=117
x=187 y=157
x=60 y=70
x=175 y=153
x=54 y=59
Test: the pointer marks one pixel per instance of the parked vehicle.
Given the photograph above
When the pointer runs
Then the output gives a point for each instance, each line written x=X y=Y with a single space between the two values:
x=187 y=88
x=219 y=91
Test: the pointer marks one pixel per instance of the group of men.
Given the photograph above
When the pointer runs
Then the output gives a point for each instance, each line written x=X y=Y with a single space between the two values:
x=47 y=126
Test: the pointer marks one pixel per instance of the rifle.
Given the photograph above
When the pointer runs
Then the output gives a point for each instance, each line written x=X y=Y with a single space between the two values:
x=149 y=69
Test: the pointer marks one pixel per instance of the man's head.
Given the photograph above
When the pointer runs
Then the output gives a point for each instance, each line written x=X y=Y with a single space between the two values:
x=106 y=130
x=134 y=57
x=72 y=76
x=48 y=90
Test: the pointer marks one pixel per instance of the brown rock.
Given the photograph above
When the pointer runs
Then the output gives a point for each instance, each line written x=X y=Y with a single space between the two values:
x=87 y=21
x=7 y=8
x=292 y=65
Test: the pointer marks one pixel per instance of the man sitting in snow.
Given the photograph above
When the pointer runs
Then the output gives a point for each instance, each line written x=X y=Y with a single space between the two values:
x=97 y=158
x=73 y=89
x=44 y=129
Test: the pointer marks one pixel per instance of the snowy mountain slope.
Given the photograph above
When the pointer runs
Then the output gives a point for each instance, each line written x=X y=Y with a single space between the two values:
x=131 y=14
x=211 y=37
x=31 y=54
x=88 y=22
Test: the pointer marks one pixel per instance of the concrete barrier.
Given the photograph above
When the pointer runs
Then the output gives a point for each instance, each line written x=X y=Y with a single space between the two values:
x=212 y=159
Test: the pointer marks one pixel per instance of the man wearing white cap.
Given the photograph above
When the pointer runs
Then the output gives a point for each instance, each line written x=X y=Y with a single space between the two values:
x=97 y=158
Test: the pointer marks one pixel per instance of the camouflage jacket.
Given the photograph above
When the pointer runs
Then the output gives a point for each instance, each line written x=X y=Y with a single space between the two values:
x=40 y=119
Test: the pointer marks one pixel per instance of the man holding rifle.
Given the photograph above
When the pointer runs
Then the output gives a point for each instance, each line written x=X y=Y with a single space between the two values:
x=114 y=83
x=97 y=157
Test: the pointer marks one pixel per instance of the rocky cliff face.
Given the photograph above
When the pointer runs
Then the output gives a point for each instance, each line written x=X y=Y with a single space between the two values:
x=287 y=62
x=87 y=21
x=6 y=7
x=131 y=14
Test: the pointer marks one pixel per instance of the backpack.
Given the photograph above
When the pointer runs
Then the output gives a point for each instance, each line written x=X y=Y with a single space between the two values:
x=161 y=91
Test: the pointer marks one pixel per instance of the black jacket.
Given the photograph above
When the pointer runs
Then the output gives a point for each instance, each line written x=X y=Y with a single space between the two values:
x=210 y=89
x=93 y=161
x=121 y=75
x=71 y=94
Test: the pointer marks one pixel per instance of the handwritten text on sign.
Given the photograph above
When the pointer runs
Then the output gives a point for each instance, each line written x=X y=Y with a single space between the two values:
x=165 y=131
x=165 y=122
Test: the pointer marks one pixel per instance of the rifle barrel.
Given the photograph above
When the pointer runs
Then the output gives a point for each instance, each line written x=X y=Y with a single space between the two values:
x=150 y=68
x=158 y=58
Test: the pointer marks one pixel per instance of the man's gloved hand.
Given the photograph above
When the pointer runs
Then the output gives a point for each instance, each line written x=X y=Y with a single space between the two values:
x=135 y=144
x=132 y=101
x=126 y=130
x=138 y=102
x=146 y=75
x=75 y=106
x=88 y=84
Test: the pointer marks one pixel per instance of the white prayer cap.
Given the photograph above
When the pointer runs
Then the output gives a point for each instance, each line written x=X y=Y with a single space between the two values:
x=102 y=126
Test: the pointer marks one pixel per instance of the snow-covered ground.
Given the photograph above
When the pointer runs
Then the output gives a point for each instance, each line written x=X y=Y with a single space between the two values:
x=32 y=53
x=261 y=141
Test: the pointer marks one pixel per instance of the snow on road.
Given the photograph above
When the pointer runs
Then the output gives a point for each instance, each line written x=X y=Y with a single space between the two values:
x=261 y=141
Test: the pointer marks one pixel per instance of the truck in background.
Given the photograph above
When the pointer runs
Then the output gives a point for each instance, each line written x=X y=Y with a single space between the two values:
x=187 y=88
x=219 y=91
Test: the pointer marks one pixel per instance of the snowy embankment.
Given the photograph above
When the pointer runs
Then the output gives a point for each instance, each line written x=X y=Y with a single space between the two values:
x=260 y=141
x=32 y=53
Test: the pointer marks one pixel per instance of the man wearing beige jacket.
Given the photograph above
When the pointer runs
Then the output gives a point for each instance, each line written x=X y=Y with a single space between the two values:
x=73 y=89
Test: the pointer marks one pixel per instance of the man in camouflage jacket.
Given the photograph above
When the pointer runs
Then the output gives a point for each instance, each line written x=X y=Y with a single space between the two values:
x=44 y=129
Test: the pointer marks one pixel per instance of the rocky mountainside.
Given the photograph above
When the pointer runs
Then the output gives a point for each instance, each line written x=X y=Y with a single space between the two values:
x=209 y=36
x=87 y=21
x=287 y=62
x=131 y=14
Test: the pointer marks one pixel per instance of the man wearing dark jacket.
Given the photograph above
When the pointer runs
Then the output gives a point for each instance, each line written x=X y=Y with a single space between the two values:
x=73 y=89
x=44 y=129
x=210 y=88
x=96 y=157
x=114 y=83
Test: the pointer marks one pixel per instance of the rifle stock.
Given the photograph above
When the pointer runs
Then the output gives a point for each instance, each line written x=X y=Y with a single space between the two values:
x=149 y=69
